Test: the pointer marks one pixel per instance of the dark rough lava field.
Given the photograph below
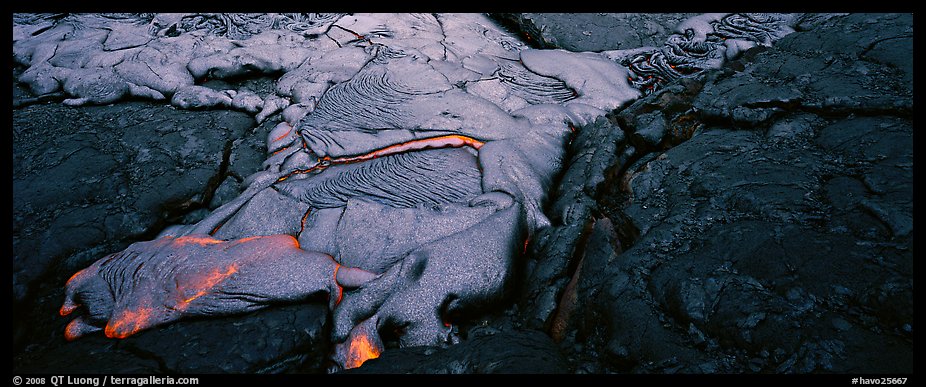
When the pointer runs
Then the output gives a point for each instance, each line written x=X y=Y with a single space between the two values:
x=749 y=214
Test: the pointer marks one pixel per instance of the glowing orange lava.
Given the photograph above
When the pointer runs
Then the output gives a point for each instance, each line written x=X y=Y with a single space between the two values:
x=340 y=288
x=203 y=286
x=75 y=276
x=69 y=306
x=66 y=309
x=284 y=135
x=198 y=240
x=71 y=332
x=217 y=227
x=295 y=242
x=251 y=238
x=361 y=349
x=304 y=217
x=128 y=323
x=446 y=141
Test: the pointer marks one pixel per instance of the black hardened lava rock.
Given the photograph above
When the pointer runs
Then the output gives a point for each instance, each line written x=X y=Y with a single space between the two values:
x=94 y=179
x=593 y=31
x=285 y=339
x=88 y=176
x=778 y=238
x=505 y=352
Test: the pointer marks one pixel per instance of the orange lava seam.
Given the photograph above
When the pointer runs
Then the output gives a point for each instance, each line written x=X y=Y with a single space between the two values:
x=446 y=141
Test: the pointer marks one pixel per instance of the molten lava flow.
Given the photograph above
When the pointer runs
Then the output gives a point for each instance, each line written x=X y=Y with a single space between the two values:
x=72 y=331
x=66 y=309
x=75 y=276
x=317 y=167
x=217 y=227
x=128 y=323
x=196 y=239
x=70 y=307
x=361 y=349
x=282 y=136
x=446 y=141
x=340 y=288
x=202 y=286
x=251 y=238
x=304 y=217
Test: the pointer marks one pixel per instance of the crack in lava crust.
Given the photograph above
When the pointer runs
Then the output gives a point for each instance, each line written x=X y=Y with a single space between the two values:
x=439 y=142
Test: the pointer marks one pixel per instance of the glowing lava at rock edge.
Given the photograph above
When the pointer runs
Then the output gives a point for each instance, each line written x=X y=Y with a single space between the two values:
x=361 y=349
x=128 y=323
